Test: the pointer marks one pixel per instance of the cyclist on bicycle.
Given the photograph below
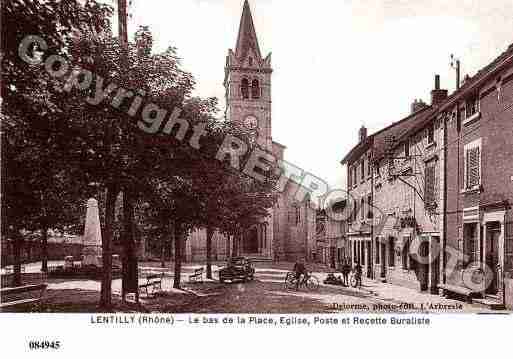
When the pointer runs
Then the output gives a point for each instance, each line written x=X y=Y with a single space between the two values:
x=300 y=272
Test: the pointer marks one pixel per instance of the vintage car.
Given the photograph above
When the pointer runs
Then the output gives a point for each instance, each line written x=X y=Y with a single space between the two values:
x=237 y=268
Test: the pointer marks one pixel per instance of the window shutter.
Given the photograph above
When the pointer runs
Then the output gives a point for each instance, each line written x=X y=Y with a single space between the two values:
x=472 y=167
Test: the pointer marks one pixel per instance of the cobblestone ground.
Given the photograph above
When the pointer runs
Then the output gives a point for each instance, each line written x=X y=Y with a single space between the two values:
x=266 y=294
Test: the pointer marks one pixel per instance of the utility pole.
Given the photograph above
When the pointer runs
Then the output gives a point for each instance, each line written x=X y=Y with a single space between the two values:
x=122 y=24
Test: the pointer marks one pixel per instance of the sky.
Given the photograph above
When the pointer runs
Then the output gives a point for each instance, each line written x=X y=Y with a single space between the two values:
x=338 y=64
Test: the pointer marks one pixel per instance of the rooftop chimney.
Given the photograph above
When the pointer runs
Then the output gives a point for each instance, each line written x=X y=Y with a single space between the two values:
x=362 y=134
x=417 y=105
x=438 y=95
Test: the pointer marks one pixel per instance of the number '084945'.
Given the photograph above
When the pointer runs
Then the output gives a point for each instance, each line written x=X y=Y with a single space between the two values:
x=44 y=344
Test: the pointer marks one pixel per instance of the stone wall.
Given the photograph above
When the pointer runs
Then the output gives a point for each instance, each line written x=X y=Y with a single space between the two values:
x=32 y=252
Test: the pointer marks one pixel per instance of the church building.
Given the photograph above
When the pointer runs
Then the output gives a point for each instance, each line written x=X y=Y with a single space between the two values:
x=289 y=232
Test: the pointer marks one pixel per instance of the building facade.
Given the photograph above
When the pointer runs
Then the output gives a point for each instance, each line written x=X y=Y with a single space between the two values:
x=442 y=182
x=360 y=190
x=479 y=152
x=408 y=197
x=331 y=240
x=386 y=173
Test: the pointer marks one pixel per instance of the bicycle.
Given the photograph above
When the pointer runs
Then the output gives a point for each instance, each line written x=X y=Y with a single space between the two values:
x=311 y=282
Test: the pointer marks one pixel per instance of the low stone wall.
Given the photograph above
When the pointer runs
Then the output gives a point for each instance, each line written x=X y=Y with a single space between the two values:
x=26 y=279
x=32 y=252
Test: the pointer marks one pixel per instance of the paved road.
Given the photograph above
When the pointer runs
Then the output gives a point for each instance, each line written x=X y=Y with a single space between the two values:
x=267 y=294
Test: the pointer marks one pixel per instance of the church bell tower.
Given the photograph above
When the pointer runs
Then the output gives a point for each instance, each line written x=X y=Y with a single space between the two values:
x=247 y=83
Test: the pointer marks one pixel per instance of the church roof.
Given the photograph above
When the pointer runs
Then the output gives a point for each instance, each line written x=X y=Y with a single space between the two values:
x=247 y=38
x=279 y=144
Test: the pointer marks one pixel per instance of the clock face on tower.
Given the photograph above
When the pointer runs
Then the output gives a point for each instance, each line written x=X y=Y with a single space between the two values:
x=251 y=122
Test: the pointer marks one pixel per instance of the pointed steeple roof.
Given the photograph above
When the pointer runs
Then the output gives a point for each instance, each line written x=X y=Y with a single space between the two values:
x=247 y=38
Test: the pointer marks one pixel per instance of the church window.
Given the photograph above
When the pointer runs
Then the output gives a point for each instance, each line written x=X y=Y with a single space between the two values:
x=250 y=61
x=298 y=214
x=255 y=89
x=244 y=88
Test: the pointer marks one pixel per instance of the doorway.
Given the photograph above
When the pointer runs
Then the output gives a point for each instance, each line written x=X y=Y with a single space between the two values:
x=492 y=254
x=423 y=274
x=435 y=264
x=251 y=241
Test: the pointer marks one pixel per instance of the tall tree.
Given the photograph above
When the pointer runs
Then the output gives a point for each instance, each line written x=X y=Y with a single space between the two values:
x=30 y=174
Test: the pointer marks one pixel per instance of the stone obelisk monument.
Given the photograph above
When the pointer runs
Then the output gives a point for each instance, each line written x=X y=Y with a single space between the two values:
x=92 y=239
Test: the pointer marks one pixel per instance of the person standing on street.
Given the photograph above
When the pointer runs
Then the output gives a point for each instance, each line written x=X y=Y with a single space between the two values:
x=358 y=274
x=346 y=269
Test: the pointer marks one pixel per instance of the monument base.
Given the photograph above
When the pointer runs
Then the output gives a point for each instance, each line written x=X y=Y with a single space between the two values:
x=92 y=256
